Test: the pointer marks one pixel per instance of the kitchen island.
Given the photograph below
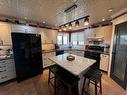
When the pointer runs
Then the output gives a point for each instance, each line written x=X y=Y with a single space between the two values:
x=77 y=67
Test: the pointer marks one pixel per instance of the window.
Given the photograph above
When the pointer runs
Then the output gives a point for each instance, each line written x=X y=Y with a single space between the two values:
x=63 y=38
x=59 y=39
x=77 y=38
x=74 y=39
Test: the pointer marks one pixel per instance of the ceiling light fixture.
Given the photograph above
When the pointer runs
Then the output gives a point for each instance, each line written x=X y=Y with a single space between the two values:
x=64 y=27
x=70 y=26
x=86 y=21
x=77 y=23
x=25 y=17
x=103 y=19
x=110 y=10
x=43 y=21
x=60 y=28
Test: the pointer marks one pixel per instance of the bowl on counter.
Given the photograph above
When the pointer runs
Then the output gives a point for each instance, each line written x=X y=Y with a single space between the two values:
x=70 y=58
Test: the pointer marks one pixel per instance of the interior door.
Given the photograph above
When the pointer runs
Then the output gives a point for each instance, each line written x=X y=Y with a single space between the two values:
x=119 y=58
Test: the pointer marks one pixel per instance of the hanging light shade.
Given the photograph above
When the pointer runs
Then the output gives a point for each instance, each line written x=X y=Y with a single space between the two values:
x=64 y=27
x=70 y=26
x=86 y=21
x=77 y=23
x=60 y=29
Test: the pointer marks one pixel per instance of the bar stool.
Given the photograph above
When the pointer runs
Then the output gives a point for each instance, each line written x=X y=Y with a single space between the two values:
x=70 y=81
x=64 y=78
x=53 y=69
x=94 y=77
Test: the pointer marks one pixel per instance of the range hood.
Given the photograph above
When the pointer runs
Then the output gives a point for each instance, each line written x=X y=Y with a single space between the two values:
x=100 y=39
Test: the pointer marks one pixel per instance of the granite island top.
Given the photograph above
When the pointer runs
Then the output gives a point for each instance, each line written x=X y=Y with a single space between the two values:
x=76 y=67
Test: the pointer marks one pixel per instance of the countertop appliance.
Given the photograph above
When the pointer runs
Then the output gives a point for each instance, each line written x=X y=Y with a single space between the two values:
x=27 y=55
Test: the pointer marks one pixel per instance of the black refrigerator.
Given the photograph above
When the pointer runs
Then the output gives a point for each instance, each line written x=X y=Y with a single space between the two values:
x=27 y=55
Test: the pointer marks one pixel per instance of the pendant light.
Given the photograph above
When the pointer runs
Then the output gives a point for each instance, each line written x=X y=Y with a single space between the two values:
x=70 y=26
x=77 y=23
x=60 y=29
x=86 y=21
x=64 y=27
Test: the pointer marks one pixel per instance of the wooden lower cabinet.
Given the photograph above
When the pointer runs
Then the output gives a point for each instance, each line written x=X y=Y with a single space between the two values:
x=7 y=70
x=104 y=62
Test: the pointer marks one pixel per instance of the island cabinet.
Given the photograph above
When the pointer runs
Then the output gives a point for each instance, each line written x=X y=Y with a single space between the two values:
x=7 y=70
x=46 y=61
x=75 y=52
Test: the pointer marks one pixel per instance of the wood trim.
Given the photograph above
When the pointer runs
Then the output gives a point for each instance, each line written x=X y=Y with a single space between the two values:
x=119 y=15
x=21 y=21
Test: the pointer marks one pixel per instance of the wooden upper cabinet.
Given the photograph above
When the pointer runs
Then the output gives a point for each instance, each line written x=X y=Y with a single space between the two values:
x=23 y=29
x=5 y=33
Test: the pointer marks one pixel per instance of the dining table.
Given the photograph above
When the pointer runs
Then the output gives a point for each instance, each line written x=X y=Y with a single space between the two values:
x=78 y=67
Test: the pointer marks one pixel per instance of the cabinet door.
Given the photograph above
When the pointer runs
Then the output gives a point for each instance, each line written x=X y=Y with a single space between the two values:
x=3 y=76
x=3 y=71
x=5 y=34
x=104 y=62
x=10 y=67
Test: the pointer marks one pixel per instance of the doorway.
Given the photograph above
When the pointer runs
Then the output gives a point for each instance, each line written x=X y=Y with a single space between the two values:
x=119 y=55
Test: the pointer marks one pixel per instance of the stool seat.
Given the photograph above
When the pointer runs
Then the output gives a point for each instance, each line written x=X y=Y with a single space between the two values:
x=68 y=79
x=55 y=68
x=93 y=75
x=65 y=78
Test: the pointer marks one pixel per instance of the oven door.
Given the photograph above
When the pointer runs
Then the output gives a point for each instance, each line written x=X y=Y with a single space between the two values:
x=95 y=56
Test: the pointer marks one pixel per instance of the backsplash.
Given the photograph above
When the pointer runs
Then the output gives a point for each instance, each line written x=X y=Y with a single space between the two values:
x=48 y=46
x=5 y=52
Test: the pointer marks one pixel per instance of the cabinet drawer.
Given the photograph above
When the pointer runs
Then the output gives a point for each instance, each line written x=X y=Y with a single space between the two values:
x=104 y=56
x=3 y=77
x=2 y=61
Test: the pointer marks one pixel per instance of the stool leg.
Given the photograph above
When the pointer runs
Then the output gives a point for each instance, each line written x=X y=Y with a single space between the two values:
x=55 y=85
x=83 y=89
x=76 y=89
x=95 y=88
x=100 y=87
x=49 y=77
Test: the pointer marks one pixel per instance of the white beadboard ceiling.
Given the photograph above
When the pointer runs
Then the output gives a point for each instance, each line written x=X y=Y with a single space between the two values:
x=51 y=11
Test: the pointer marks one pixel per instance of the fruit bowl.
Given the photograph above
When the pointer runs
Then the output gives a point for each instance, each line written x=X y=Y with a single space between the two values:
x=70 y=58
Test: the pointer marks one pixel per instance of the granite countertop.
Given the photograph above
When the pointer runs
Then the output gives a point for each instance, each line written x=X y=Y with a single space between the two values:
x=48 y=51
x=72 y=49
x=76 y=67
x=6 y=58
x=107 y=53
